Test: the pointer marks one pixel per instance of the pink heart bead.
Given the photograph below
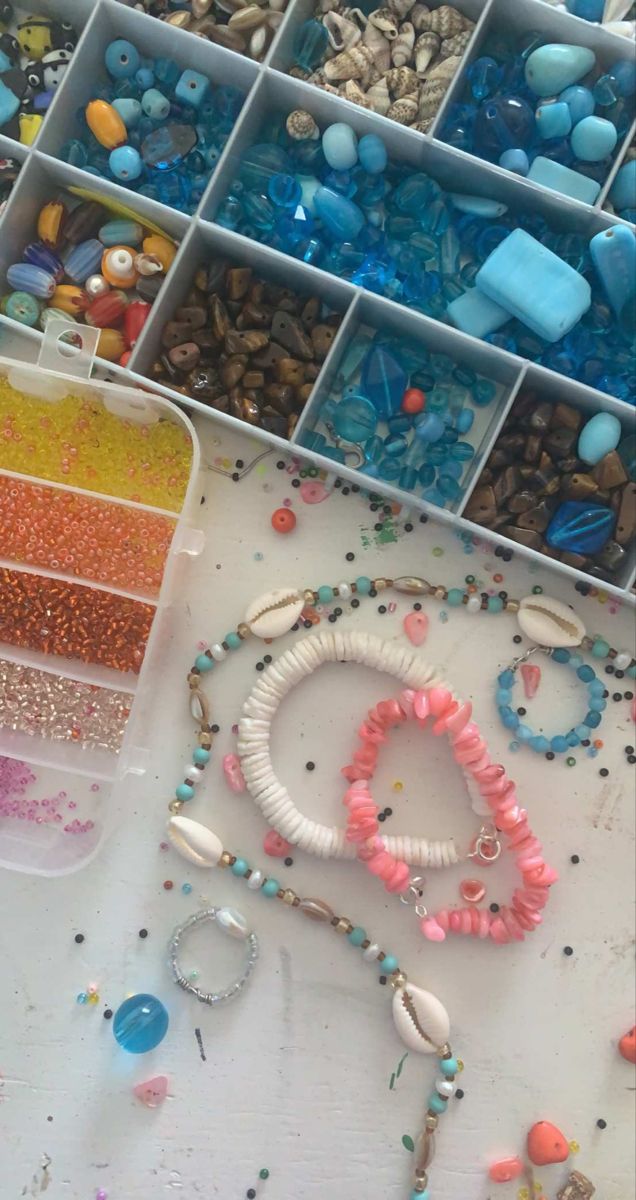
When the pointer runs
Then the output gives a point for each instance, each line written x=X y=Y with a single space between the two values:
x=153 y=1092
x=432 y=930
x=416 y=627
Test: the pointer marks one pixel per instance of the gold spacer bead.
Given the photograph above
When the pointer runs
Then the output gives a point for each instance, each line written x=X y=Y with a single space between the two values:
x=175 y=806
x=343 y=925
x=309 y=597
x=205 y=741
x=381 y=584
x=194 y=679
x=512 y=606
x=440 y=593
x=431 y=1121
x=226 y=859
x=397 y=980
x=243 y=631
x=288 y=897
x=445 y=1051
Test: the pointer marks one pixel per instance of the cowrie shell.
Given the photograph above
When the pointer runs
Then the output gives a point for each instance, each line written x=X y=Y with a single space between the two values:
x=274 y=613
x=420 y=1019
x=549 y=623
x=194 y=842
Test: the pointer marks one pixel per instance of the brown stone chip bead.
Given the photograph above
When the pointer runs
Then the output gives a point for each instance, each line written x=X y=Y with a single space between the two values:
x=246 y=346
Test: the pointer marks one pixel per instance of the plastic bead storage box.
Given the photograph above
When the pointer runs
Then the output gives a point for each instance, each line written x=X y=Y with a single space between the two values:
x=434 y=296
x=96 y=490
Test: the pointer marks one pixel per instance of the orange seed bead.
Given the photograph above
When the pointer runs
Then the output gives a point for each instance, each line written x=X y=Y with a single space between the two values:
x=413 y=401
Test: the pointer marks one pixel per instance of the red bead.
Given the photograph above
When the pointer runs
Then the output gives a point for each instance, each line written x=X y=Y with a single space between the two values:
x=413 y=401
x=283 y=520
x=135 y=318
x=125 y=358
x=106 y=311
x=168 y=885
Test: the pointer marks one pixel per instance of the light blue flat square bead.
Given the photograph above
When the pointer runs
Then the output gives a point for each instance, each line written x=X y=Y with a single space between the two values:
x=563 y=179
x=535 y=285
x=476 y=314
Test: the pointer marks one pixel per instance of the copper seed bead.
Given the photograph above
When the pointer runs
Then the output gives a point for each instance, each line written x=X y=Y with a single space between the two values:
x=343 y=926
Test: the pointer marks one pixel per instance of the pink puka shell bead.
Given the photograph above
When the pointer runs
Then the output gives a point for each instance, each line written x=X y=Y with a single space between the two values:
x=432 y=930
x=506 y=1170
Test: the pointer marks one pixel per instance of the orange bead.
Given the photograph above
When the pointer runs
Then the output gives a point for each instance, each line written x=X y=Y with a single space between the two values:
x=162 y=248
x=106 y=124
x=283 y=520
x=118 y=266
x=70 y=299
x=627 y=1046
x=111 y=345
x=413 y=401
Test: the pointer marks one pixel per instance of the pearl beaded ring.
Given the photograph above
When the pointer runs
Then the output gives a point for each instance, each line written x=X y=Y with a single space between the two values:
x=234 y=924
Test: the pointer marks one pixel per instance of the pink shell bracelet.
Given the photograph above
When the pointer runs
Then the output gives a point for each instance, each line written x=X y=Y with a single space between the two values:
x=453 y=718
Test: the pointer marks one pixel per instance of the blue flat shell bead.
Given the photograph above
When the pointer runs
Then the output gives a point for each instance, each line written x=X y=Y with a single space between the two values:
x=593 y=139
x=310 y=44
x=140 y=1023
x=552 y=68
x=580 y=528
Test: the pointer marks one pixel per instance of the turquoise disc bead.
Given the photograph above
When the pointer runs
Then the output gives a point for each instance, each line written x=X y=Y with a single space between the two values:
x=232 y=640
x=455 y=597
x=357 y=936
x=389 y=964
x=449 y=1066
x=239 y=866
x=201 y=756
x=363 y=585
x=203 y=663
x=325 y=593
x=437 y=1104
x=184 y=791
x=270 y=887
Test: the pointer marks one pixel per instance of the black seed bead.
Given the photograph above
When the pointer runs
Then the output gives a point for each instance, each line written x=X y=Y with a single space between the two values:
x=289 y=862
x=260 y=666
x=373 y=507
x=574 y=858
x=108 y=1014
x=345 y=491
x=408 y=528
x=507 y=555
x=382 y=980
x=568 y=951
x=499 y=552
x=355 y=603
x=423 y=519
x=628 y=750
x=417 y=607
x=517 y=639
x=307 y=624
x=373 y=593
x=586 y=742
x=143 y=933
x=629 y=695
x=609 y=670
x=332 y=618
x=310 y=766
x=381 y=817
x=631 y=758
x=337 y=612
x=387 y=510
x=295 y=628
x=296 y=483
x=494 y=908
x=280 y=466
x=382 y=608
x=235 y=476
x=215 y=728
x=604 y=772
x=355 y=487
x=79 y=938
x=601 y=1124
x=239 y=464
x=267 y=658
x=521 y=712
x=350 y=556
x=250 y=1193
x=583 y=589
x=619 y=674
x=459 y=1094
x=378 y=526
x=338 y=483
x=388 y=812
x=550 y=755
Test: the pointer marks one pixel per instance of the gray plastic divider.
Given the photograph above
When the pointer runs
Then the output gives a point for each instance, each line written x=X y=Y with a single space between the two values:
x=329 y=369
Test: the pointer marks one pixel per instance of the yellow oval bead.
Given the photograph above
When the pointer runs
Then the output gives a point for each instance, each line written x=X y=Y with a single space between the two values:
x=111 y=345
x=69 y=299
x=164 y=249
x=106 y=124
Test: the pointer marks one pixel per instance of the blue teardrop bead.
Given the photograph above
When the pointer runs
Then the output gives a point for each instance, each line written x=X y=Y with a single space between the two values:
x=383 y=381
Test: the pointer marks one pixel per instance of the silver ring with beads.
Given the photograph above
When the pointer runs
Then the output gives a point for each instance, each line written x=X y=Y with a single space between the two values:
x=232 y=923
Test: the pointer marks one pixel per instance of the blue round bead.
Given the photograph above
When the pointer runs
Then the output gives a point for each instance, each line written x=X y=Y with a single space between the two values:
x=125 y=163
x=325 y=593
x=559 y=744
x=593 y=139
x=580 y=102
x=184 y=791
x=357 y=935
x=586 y=673
x=129 y=111
x=122 y=59
x=437 y=1104
x=239 y=867
x=515 y=160
x=140 y=1023
x=560 y=655
x=232 y=640
x=201 y=756
x=270 y=888
x=449 y=1066
x=372 y=154
x=363 y=585
x=506 y=678
x=203 y=663
x=388 y=965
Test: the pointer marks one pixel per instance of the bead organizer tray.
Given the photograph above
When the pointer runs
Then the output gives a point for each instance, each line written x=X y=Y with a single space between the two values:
x=96 y=495
x=270 y=91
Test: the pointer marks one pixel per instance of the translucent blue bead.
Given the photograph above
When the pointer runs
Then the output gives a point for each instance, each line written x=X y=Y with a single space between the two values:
x=436 y=218
x=192 y=88
x=484 y=76
x=576 y=661
x=586 y=673
x=259 y=211
x=284 y=191
x=503 y=123
x=426 y=475
x=414 y=194
x=407 y=479
x=389 y=469
x=588 y=10
x=167 y=71
x=125 y=163
x=341 y=217
x=506 y=678
x=573 y=738
x=580 y=527
x=605 y=91
x=508 y=717
x=310 y=44
x=503 y=696
x=74 y=152
x=583 y=731
x=597 y=704
x=372 y=154
x=559 y=744
x=383 y=381
x=122 y=59
x=395 y=445
x=462 y=451
x=355 y=419
x=145 y=78
x=84 y=260
x=448 y=486
x=624 y=75
x=464 y=421
x=593 y=719
x=429 y=428
x=140 y=1023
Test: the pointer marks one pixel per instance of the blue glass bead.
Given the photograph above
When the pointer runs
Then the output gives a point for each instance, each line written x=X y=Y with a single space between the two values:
x=605 y=91
x=355 y=419
x=508 y=717
x=342 y=218
x=580 y=527
x=363 y=585
x=484 y=393
x=484 y=76
x=74 y=152
x=22 y=307
x=40 y=255
x=552 y=68
x=593 y=719
x=121 y=232
x=389 y=469
x=24 y=277
x=503 y=123
x=426 y=475
x=614 y=256
x=233 y=640
x=84 y=260
x=429 y=428
x=597 y=704
x=464 y=421
x=524 y=733
x=495 y=604
x=414 y=194
x=560 y=655
x=165 y=148
x=503 y=696
x=270 y=888
x=573 y=738
x=462 y=452
x=340 y=146
x=395 y=445
x=559 y=744
x=140 y=1023
x=383 y=381
x=357 y=936
x=259 y=210
x=582 y=731
x=539 y=743
x=155 y=105
x=192 y=88
x=586 y=673
x=201 y=756
x=407 y=479
x=82 y=998
x=129 y=111
x=372 y=154
x=122 y=59
x=9 y=103
x=597 y=687
x=515 y=160
x=125 y=163
x=580 y=102
x=436 y=218
x=145 y=76
x=388 y=965
x=448 y=486
x=455 y=599
x=239 y=867
x=167 y=71
x=576 y=661
x=284 y=191
x=593 y=139
x=624 y=74
x=437 y=1104
x=310 y=44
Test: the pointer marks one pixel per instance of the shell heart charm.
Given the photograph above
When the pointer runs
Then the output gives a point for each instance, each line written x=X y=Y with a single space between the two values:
x=273 y=614
x=153 y=1092
x=275 y=845
x=531 y=676
x=194 y=842
x=627 y=1045
x=420 y=1019
x=416 y=627
x=546 y=1144
x=549 y=623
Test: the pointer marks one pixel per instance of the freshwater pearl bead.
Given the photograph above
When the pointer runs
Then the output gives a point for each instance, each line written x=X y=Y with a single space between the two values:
x=371 y=952
x=622 y=660
x=255 y=881
x=474 y=604
x=192 y=773
x=344 y=591
x=217 y=652
x=445 y=1087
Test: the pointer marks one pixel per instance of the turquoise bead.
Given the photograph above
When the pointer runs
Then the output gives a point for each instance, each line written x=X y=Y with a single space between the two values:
x=455 y=597
x=598 y=436
x=552 y=68
x=576 y=661
x=515 y=160
x=232 y=640
x=586 y=673
x=539 y=743
x=582 y=731
x=357 y=936
x=372 y=154
x=580 y=102
x=593 y=139
x=201 y=756
x=184 y=791
x=495 y=604
x=449 y=1066
x=623 y=191
x=553 y=120
x=239 y=866
x=325 y=593
x=363 y=585
x=593 y=719
x=562 y=179
x=389 y=964
x=437 y=1104
x=560 y=655
x=503 y=696
x=421 y=1195
x=597 y=704
x=600 y=649
x=271 y=887
x=509 y=718
x=203 y=663
x=559 y=744
x=506 y=679
x=631 y=672
x=614 y=256
x=340 y=146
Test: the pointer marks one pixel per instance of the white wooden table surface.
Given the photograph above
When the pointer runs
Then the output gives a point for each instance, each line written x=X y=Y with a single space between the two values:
x=297 y=1072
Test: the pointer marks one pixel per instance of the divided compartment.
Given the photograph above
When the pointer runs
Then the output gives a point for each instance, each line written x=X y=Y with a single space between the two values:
x=412 y=339
x=156 y=38
x=535 y=16
x=46 y=847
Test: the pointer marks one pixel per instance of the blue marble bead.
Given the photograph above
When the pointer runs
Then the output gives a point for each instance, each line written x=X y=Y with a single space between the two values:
x=614 y=256
x=502 y=695
x=155 y=105
x=588 y=10
x=372 y=154
x=83 y=260
x=192 y=88
x=503 y=123
x=515 y=160
x=580 y=102
x=484 y=76
x=580 y=527
x=140 y=1023
x=340 y=216
x=340 y=146
x=383 y=381
x=122 y=59
x=552 y=68
x=623 y=190
x=593 y=720
x=598 y=437
x=125 y=163
x=624 y=73
x=553 y=120
x=310 y=44
x=593 y=139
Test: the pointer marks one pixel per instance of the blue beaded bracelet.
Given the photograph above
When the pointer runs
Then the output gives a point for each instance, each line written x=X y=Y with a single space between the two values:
x=561 y=743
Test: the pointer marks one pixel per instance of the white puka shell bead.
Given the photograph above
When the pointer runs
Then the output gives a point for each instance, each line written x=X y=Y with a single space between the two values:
x=274 y=613
x=233 y=922
x=549 y=623
x=420 y=1019
x=194 y=842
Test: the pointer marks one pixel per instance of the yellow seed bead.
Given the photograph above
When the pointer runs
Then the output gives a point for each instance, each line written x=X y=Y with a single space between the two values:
x=574 y=1147
x=398 y=786
x=93 y=998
